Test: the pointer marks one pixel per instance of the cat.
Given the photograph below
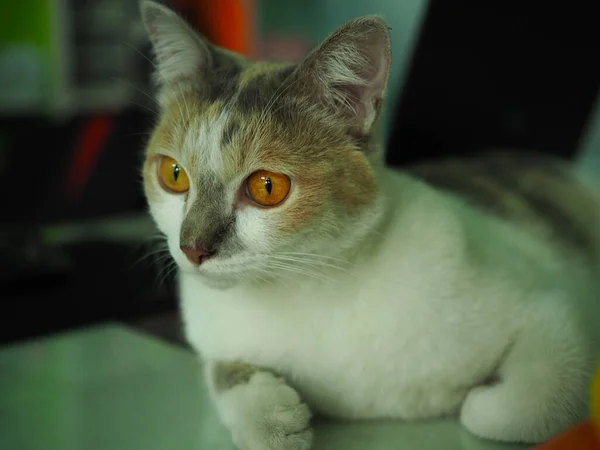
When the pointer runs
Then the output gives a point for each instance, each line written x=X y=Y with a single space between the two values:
x=313 y=279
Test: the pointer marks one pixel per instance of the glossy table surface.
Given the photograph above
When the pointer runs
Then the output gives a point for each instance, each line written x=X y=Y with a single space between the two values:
x=112 y=388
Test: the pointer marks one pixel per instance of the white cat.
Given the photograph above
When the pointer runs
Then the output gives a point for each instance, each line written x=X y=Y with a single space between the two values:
x=312 y=278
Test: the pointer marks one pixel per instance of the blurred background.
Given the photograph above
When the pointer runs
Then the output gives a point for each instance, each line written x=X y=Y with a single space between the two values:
x=76 y=244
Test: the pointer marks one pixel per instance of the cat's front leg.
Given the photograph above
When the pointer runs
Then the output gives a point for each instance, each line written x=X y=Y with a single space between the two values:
x=260 y=409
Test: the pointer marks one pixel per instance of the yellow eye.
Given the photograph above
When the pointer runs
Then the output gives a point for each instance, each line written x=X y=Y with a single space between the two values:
x=172 y=177
x=268 y=188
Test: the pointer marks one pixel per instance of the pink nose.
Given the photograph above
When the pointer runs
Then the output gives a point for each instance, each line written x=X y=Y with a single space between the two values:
x=195 y=256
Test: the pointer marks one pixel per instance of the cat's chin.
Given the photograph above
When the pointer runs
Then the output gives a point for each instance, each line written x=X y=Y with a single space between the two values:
x=221 y=283
x=217 y=279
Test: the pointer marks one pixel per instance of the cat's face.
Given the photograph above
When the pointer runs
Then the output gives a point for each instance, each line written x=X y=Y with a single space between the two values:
x=255 y=166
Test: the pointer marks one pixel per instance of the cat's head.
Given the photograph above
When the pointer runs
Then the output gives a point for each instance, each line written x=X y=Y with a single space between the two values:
x=254 y=166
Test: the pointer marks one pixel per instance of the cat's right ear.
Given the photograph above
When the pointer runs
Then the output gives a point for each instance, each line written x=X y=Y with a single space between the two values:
x=348 y=72
x=179 y=50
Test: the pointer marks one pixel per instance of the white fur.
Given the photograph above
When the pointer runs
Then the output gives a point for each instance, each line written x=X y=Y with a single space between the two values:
x=445 y=298
x=168 y=212
x=266 y=414
x=202 y=143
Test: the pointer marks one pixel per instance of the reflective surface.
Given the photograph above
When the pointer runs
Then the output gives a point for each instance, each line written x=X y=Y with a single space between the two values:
x=112 y=388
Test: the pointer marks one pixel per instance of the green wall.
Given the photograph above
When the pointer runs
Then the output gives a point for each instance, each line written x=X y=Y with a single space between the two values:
x=31 y=24
x=26 y=21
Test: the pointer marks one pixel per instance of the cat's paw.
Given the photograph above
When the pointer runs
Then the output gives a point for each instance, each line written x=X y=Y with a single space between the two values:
x=266 y=414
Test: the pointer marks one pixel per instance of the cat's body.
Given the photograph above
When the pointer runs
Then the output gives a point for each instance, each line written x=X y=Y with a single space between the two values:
x=421 y=315
x=372 y=293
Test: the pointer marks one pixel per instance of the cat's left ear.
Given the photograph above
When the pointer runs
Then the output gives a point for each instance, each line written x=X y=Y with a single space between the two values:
x=349 y=71
x=179 y=50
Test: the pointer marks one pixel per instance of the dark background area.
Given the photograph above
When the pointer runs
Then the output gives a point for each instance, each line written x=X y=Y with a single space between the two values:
x=498 y=74
x=481 y=76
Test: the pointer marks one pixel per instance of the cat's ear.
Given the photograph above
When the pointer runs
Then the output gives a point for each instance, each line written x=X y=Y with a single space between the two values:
x=179 y=50
x=349 y=71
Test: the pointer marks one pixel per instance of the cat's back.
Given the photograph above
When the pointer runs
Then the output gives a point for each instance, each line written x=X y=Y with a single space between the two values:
x=542 y=194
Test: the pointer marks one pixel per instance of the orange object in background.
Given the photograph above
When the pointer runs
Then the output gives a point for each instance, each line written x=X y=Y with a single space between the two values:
x=581 y=437
x=596 y=401
x=230 y=24
x=585 y=436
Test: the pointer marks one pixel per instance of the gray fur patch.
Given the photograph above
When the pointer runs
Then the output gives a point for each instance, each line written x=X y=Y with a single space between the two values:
x=229 y=132
x=223 y=77
x=228 y=375
x=529 y=190
x=261 y=91
x=206 y=224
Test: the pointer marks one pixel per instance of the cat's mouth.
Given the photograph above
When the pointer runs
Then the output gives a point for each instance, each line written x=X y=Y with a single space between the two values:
x=223 y=267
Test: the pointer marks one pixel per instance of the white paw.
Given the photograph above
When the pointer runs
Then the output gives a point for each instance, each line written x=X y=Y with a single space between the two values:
x=266 y=414
x=504 y=412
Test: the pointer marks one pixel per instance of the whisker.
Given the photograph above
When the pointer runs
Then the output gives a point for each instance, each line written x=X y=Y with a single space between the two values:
x=165 y=273
x=316 y=263
x=276 y=96
x=172 y=274
x=272 y=103
x=147 y=108
x=144 y=257
x=266 y=275
x=300 y=271
x=127 y=83
x=158 y=70
x=276 y=277
x=315 y=255
x=156 y=245
x=187 y=110
x=143 y=133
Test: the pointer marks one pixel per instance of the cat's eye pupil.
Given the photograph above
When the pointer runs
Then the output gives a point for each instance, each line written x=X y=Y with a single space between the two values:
x=172 y=176
x=268 y=186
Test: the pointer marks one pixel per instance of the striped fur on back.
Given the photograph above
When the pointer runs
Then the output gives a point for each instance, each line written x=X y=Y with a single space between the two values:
x=540 y=193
